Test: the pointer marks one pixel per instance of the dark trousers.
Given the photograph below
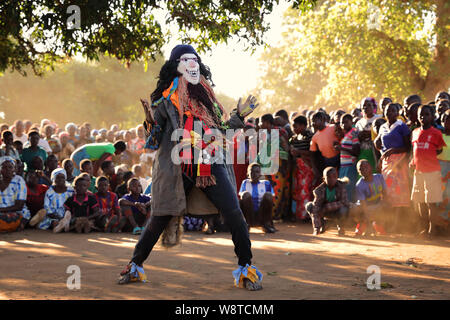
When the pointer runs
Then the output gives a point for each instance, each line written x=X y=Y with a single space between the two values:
x=261 y=217
x=223 y=196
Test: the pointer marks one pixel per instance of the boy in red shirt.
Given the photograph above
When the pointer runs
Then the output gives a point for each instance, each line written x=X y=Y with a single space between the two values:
x=427 y=143
x=108 y=203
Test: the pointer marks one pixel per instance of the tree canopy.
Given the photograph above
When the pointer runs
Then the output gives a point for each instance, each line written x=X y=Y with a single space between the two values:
x=39 y=33
x=341 y=52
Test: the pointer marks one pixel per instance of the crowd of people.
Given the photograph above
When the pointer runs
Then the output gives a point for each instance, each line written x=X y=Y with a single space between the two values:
x=380 y=168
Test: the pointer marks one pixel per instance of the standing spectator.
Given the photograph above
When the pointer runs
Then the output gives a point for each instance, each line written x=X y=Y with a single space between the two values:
x=256 y=200
x=349 y=149
x=427 y=143
x=14 y=215
x=323 y=141
x=303 y=177
x=395 y=140
x=371 y=193
x=444 y=161
x=8 y=148
x=366 y=134
x=71 y=129
x=139 y=174
x=33 y=150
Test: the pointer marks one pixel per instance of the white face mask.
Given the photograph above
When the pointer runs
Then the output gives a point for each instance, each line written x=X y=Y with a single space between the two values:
x=189 y=68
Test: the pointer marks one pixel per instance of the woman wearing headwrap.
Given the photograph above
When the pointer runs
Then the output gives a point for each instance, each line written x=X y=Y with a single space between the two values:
x=14 y=214
x=54 y=200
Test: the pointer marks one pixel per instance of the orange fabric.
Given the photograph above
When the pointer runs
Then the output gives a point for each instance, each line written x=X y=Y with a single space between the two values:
x=173 y=97
x=323 y=141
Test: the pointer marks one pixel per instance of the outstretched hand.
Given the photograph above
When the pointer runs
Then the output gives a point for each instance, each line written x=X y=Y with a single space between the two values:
x=147 y=110
x=244 y=109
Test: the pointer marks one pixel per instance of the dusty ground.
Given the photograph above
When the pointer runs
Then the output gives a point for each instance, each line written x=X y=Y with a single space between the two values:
x=295 y=265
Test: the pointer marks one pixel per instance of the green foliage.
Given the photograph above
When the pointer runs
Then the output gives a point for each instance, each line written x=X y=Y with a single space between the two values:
x=340 y=52
x=102 y=93
x=125 y=29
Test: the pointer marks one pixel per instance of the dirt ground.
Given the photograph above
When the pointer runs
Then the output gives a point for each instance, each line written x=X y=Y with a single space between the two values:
x=295 y=265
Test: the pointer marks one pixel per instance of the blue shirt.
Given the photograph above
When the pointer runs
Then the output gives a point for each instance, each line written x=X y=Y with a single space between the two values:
x=257 y=190
x=392 y=137
x=370 y=191
x=142 y=199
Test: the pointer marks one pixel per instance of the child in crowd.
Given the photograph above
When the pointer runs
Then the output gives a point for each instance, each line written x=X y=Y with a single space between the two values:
x=427 y=188
x=67 y=164
x=331 y=201
x=54 y=215
x=139 y=174
x=135 y=206
x=256 y=199
x=372 y=200
x=82 y=207
x=18 y=145
x=110 y=220
x=86 y=167
x=122 y=189
x=50 y=165
x=8 y=148
x=37 y=165
x=109 y=171
x=35 y=194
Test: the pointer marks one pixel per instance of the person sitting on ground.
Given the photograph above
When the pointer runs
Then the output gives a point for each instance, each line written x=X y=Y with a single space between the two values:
x=82 y=207
x=35 y=194
x=8 y=148
x=110 y=220
x=136 y=207
x=122 y=189
x=256 y=199
x=14 y=214
x=86 y=167
x=37 y=165
x=330 y=201
x=97 y=152
x=54 y=214
x=28 y=154
x=372 y=200
x=50 y=165
x=67 y=164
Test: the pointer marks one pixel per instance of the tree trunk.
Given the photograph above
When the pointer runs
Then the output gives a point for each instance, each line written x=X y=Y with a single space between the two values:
x=438 y=76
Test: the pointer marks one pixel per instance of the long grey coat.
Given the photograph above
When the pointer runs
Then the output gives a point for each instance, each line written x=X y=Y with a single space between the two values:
x=168 y=197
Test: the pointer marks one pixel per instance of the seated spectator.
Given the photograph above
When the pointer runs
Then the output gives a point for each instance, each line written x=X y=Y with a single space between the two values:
x=52 y=141
x=109 y=172
x=14 y=215
x=66 y=147
x=122 y=189
x=82 y=207
x=37 y=165
x=67 y=164
x=86 y=167
x=19 y=146
x=372 y=200
x=110 y=220
x=28 y=154
x=20 y=168
x=330 y=201
x=50 y=165
x=35 y=194
x=8 y=148
x=256 y=200
x=54 y=215
x=139 y=174
x=135 y=206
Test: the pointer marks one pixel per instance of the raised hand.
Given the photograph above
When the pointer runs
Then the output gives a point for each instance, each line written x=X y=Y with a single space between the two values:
x=244 y=109
x=147 y=110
